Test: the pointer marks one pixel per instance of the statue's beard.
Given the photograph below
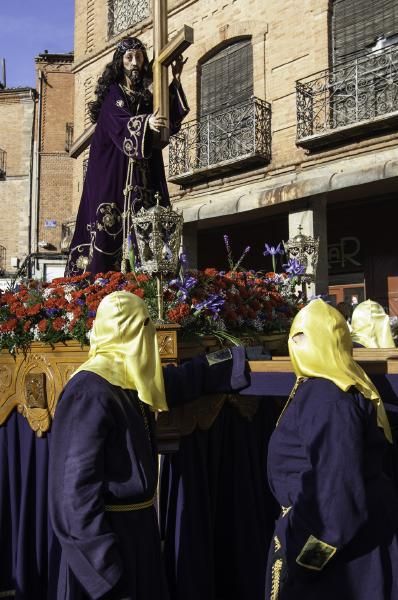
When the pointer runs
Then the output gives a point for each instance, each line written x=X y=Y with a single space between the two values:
x=135 y=77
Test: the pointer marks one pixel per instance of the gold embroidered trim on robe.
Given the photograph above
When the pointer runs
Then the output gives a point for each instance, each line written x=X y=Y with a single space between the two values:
x=315 y=554
x=129 y=507
x=276 y=579
x=285 y=510
x=276 y=571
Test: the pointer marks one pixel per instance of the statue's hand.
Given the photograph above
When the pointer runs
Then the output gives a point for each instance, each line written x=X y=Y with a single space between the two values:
x=177 y=66
x=156 y=122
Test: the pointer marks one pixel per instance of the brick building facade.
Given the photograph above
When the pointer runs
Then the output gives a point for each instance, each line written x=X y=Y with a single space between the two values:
x=36 y=172
x=17 y=116
x=310 y=137
x=54 y=135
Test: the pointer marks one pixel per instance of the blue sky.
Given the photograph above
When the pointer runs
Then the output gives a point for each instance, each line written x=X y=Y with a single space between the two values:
x=27 y=28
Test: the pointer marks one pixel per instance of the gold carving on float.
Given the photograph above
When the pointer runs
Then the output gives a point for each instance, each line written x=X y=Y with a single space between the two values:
x=167 y=341
x=5 y=377
x=32 y=382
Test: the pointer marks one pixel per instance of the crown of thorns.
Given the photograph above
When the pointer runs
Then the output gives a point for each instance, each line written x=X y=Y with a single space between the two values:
x=131 y=43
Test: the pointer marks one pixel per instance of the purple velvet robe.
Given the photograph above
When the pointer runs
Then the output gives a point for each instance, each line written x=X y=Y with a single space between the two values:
x=122 y=133
x=325 y=467
x=103 y=451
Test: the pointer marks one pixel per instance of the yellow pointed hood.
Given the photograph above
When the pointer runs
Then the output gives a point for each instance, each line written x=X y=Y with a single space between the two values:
x=124 y=349
x=371 y=326
x=327 y=352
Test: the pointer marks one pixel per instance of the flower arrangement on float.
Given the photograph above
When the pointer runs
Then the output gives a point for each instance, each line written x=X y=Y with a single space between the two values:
x=230 y=305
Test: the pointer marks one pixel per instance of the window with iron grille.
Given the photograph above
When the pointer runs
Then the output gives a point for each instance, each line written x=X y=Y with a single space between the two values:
x=3 y=163
x=85 y=165
x=226 y=82
x=226 y=78
x=123 y=14
x=358 y=25
x=3 y=254
x=68 y=136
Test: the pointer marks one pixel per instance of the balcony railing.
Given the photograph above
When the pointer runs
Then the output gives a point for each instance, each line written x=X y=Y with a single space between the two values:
x=353 y=98
x=3 y=163
x=221 y=142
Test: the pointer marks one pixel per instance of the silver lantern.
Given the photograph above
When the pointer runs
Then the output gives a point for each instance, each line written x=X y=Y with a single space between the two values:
x=158 y=233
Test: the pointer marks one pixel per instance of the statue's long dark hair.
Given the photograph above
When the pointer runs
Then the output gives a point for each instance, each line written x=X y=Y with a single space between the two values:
x=114 y=73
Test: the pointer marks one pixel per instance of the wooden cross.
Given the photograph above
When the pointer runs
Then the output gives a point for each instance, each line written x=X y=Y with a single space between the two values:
x=164 y=52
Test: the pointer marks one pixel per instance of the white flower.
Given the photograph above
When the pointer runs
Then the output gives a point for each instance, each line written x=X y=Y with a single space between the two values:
x=70 y=316
x=47 y=292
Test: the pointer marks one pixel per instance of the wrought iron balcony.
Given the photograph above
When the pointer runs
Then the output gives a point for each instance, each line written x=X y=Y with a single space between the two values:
x=356 y=97
x=221 y=142
x=3 y=163
x=123 y=14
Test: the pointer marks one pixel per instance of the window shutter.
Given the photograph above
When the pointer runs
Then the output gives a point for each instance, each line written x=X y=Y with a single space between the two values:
x=357 y=23
x=227 y=78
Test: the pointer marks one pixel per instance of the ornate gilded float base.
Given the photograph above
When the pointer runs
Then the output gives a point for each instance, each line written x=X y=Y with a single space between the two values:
x=32 y=383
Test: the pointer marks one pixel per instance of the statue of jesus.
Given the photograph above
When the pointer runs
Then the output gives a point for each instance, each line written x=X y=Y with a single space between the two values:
x=125 y=167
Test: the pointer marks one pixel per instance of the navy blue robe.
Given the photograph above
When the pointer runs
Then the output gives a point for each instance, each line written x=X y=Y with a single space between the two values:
x=103 y=452
x=325 y=467
x=122 y=133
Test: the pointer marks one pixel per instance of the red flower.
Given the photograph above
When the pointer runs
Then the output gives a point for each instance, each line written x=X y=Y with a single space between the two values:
x=58 y=324
x=27 y=326
x=33 y=310
x=177 y=314
x=9 y=325
x=43 y=325
x=139 y=292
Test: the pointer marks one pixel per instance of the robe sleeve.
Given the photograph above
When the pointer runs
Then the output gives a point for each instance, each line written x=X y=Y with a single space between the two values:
x=76 y=474
x=130 y=134
x=331 y=505
x=178 y=106
x=200 y=376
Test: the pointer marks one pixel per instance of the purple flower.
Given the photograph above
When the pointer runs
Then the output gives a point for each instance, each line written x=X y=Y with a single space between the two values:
x=183 y=287
x=92 y=313
x=237 y=265
x=226 y=242
x=272 y=251
x=80 y=301
x=213 y=303
x=101 y=281
x=51 y=312
x=294 y=267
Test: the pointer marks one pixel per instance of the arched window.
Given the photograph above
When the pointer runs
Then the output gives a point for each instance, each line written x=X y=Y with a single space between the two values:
x=226 y=78
x=360 y=25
